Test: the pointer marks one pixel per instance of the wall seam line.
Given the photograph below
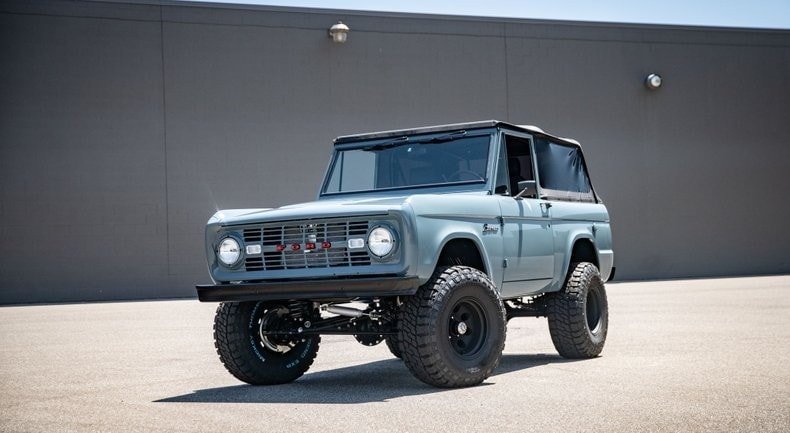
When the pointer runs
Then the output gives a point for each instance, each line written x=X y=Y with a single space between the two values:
x=164 y=141
x=507 y=77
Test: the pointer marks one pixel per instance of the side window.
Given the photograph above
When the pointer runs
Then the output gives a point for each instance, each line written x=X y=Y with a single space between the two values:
x=562 y=171
x=519 y=162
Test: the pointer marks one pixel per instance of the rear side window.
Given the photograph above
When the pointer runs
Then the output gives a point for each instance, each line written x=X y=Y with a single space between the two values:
x=562 y=172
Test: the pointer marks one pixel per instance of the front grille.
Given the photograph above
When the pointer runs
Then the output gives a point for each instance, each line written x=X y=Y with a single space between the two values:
x=336 y=232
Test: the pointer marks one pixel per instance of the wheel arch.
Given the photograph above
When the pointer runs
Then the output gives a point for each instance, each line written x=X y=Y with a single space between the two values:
x=581 y=248
x=463 y=249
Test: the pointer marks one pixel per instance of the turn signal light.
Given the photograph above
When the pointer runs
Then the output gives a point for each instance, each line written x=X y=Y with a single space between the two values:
x=280 y=248
x=296 y=247
x=309 y=246
x=326 y=245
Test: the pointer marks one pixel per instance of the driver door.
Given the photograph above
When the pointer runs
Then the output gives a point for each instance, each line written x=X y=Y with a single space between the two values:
x=528 y=240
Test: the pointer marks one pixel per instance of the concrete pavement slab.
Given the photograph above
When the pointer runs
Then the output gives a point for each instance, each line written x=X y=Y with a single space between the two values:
x=695 y=355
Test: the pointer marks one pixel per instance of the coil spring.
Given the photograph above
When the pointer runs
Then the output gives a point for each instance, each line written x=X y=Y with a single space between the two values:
x=299 y=310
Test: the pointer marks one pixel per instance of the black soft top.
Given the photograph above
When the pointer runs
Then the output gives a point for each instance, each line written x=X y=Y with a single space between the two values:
x=453 y=127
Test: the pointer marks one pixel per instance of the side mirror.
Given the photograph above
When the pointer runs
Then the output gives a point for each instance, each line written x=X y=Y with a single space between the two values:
x=500 y=190
x=529 y=188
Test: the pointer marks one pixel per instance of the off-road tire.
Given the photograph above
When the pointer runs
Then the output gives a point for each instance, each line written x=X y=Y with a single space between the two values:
x=241 y=350
x=579 y=313
x=393 y=340
x=392 y=345
x=430 y=334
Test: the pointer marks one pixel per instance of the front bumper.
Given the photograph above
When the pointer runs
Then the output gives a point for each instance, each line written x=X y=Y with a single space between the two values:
x=330 y=289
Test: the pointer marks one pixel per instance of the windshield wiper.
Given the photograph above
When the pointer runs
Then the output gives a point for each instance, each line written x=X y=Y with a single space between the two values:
x=446 y=137
x=400 y=141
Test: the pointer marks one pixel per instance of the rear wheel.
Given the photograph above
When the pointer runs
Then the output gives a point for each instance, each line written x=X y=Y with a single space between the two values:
x=579 y=313
x=246 y=338
x=452 y=331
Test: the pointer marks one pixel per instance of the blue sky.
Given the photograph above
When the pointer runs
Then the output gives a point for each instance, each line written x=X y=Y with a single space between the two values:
x=755 y=13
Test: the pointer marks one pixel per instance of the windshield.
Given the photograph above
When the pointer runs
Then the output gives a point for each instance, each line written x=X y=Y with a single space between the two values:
x=407 y=162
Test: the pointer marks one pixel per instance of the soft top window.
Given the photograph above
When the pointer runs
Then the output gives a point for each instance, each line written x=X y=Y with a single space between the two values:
x=562 y=172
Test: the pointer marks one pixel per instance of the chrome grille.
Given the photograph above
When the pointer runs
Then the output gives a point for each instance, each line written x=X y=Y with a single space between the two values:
x=336 y=232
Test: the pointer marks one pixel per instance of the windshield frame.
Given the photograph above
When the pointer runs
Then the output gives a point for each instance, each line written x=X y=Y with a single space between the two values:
x=424 y=139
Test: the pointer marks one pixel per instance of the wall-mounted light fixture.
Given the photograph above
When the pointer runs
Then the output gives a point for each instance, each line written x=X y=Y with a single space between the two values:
x=653 y=81
x=339 y=32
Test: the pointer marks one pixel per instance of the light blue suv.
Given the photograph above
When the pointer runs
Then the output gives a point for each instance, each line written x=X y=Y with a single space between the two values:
x=429 y=239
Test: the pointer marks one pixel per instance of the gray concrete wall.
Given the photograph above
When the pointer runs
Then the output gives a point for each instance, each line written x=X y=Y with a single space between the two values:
x=123 y=126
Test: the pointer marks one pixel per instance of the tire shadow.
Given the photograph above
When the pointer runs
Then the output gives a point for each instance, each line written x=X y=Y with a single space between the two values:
x=377 y=381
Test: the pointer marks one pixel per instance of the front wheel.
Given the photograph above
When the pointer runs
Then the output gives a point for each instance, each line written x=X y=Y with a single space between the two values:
x=246 y=338
x=452 y=331
x=579 y=313
x=393 y=344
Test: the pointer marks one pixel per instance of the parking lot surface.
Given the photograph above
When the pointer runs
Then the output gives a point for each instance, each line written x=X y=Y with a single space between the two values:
x=694 y=355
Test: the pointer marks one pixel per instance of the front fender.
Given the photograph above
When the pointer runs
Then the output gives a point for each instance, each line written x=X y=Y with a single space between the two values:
x=436 y=234
x=440 y=219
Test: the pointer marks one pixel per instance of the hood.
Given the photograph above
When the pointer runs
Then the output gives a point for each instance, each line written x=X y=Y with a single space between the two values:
x=314 y=209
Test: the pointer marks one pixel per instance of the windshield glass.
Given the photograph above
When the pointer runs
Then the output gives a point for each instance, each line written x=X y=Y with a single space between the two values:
x=409 y=162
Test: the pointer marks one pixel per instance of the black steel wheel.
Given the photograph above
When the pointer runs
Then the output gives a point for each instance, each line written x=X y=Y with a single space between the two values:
x=579 y=313
x=467 y=328
x=251 y=348
x=452 y=331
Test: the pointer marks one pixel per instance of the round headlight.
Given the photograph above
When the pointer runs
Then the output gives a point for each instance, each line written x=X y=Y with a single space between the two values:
x=229 y=251
x=381 y=241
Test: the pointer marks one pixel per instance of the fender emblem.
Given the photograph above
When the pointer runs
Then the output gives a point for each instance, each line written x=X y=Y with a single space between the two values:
x=490 y=228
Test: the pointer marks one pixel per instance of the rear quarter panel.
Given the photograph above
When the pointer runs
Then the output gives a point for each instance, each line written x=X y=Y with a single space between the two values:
x=573 y=221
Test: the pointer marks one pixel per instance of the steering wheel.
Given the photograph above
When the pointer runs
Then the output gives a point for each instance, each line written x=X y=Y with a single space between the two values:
x=456 y=175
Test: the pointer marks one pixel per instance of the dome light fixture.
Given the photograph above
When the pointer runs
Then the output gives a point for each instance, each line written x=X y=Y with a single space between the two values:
x=653 y=81
x=339 y=32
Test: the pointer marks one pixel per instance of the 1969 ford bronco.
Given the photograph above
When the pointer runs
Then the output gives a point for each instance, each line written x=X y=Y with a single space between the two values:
x=427 y=239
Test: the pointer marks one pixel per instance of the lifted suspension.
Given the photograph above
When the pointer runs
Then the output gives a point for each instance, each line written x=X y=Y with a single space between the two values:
x=531 y=307
x=377 y=320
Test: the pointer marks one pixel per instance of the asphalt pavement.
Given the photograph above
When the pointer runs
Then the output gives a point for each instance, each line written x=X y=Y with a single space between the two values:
x=697 y=355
